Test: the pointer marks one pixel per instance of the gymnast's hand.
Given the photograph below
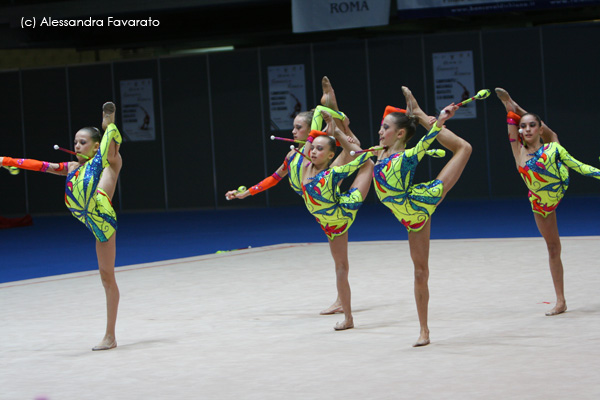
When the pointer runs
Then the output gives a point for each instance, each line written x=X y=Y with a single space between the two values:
x=235 y=194
x=446 y=114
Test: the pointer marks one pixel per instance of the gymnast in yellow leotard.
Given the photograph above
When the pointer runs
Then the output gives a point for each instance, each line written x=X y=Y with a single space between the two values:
x=304 y=122
x=91 y=183
x=542 y=163
x=87 y=202
x=413 y=204
x=333 y=210
x=302 y=127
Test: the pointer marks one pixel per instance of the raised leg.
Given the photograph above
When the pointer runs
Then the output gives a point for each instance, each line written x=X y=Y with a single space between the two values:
x=461 y=152
x=328 y=99
x=108 y=114
x=363 y=178
x=548 y=135
x=412 y=107
x=548 y=227
x=419 y=252
x=108 y=182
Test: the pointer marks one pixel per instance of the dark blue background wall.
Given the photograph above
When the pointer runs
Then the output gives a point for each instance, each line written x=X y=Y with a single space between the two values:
x=212 y=113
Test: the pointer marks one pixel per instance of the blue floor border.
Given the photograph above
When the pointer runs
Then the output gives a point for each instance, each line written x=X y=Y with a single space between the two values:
x=56 y=245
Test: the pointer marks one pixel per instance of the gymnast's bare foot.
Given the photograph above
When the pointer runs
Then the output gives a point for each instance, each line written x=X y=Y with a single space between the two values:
x=412 y=107
x=423 y=339
x=108 y=114
x=509 y=103
x=109 y=342
x=328 y=99
x=342 y=326
x=559 y=308
x=335 y=308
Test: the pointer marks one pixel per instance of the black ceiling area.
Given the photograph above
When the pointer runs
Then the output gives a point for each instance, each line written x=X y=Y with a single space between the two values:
x=238 y=23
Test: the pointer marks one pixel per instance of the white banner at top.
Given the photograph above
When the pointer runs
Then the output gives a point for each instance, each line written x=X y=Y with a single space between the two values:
x=325 y=15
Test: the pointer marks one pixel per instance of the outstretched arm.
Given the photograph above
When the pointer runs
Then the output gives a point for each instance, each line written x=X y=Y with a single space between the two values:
x=261 y=186
x=422 y=146
x=578 y=166
x=36 y=165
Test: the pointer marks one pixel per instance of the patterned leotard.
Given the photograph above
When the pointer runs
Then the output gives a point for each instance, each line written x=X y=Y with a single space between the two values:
x=411 y=204
x=292 y=163
x=333 y=210
x=86 y=202
x=294 y=167
x=547 y=176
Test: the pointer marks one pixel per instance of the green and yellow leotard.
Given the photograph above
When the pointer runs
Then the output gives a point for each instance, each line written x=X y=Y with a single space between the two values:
x=412 y=205
x=333 y=210
x=547 y=176
x=293 y=164
x=86 y=202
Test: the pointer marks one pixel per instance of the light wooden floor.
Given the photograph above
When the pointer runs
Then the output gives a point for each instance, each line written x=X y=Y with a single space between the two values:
x=245 y=325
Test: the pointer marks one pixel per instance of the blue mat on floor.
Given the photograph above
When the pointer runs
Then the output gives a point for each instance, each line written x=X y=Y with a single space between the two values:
x=57 y=245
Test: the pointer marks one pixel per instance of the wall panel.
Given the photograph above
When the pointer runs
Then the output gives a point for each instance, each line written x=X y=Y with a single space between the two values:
x=187 y=130
x=11 y=145
x=142 y=179
x=45 y=116
x=238 y=125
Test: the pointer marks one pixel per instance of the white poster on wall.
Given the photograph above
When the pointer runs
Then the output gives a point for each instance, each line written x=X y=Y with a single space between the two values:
x=137 y=110
x=287 y=95
x=454 y=81
x=325 y=15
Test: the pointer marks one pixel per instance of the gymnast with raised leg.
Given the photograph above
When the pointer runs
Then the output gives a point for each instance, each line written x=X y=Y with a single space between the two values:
x=90 y=186
x=414 y=204
x=303 y=123
x=542 y=163
x=333 y=210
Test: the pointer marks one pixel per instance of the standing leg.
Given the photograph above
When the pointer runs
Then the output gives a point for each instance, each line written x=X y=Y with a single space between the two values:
x=548 y=227
x=419 y=252
x=106 y=252
x=339 y=252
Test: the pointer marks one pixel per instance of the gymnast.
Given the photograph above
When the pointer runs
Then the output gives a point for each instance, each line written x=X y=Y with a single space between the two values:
x=333 y=210
x=542 y=163
x=413 y=205
x=304 y=122
x=90 y=186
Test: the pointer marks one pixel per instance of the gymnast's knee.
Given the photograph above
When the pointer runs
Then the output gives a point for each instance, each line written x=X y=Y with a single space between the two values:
x=554 y=249
x=465 y=147
x=421 y=274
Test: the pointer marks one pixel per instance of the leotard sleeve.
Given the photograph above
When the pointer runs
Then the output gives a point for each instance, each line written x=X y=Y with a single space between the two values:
x=576 y=165
x=343 y=171
x=423 y=145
